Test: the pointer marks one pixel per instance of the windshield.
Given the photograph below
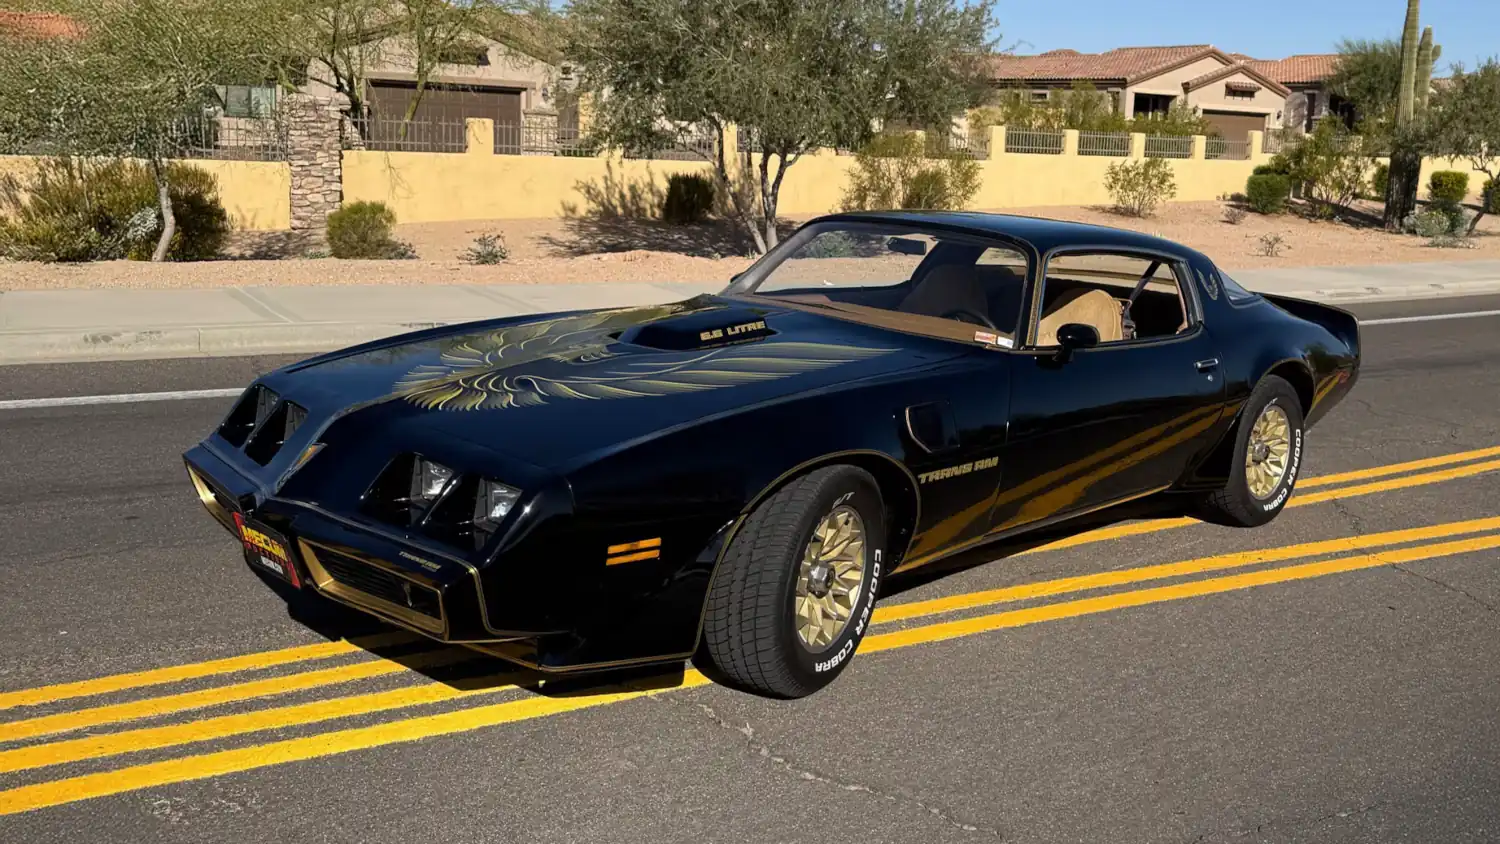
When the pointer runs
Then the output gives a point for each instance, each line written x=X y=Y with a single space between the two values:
x=910 y=278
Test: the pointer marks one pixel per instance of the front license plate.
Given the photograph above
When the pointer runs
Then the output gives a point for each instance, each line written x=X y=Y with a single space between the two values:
x=266 y=549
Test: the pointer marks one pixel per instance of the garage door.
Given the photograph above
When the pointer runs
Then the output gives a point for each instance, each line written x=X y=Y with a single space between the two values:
x=1235 y=125
x=439 y=119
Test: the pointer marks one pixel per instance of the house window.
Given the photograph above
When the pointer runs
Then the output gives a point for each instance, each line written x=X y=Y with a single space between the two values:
x=1239 y=94
x=1040 y=96
x=247 y=100
x=1149 y=105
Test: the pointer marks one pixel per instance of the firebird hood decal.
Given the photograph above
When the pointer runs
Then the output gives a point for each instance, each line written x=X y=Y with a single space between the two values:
x=580 y=358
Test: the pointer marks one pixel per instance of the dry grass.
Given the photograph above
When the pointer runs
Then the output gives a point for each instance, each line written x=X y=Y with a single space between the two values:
x=628 y=250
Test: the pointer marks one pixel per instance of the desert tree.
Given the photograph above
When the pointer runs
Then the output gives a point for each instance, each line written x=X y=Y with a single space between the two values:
x=793 y=75
x=131 y=81
x=1467 y=126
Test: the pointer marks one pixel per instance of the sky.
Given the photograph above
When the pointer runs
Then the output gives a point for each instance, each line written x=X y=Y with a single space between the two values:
x=1467 y=29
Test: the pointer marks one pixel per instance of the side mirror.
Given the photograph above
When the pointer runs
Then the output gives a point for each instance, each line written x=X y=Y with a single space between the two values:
x=1074 y=336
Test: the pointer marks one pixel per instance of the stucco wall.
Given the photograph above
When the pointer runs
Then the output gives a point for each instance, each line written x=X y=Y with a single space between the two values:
x=256 y=194
x=429 y=187
x=1213 y=97
x=1210 y=96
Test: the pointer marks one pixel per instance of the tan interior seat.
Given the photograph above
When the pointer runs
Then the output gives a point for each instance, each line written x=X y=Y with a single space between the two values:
x=946 y=290
x=1087 y=307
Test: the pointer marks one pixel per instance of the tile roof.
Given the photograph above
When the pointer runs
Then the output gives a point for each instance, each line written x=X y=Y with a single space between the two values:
x=1300 y=69
x=1127 y=63
x=39 y=25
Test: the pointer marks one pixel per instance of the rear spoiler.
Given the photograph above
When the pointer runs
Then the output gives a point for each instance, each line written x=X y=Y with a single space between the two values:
x=1339 y=322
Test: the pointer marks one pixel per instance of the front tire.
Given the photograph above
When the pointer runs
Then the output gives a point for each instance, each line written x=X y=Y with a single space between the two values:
x=792 y=598
x=1267 y=458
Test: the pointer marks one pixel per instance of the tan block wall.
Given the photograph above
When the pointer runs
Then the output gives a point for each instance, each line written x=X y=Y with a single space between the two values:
x=430 y=187
x=1476 y=177
x=256 y=194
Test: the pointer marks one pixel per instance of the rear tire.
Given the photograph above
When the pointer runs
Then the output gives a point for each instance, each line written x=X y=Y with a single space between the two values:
x=1266 y=459
x=792 y=598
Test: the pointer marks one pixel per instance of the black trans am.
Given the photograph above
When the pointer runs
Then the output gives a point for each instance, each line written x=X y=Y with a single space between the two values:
x=735 y=476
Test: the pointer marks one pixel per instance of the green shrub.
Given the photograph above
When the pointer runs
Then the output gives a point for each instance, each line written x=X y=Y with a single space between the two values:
x=101 y=210
x=1267 y=193
x=829 y=245
x=487 y=249
x=1279 y=165
x=1430 y=223
x=363 y=230
x=898 y=172
x=689 y=199
x=1447 y=187
x=1379 y=180
x=1490 y=200
x=1139 y=187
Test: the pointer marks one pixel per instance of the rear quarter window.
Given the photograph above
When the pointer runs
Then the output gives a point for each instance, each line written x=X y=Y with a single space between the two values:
x=1232 y=290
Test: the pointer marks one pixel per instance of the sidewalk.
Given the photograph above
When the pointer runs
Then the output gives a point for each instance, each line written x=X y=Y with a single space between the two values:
x=77 y=325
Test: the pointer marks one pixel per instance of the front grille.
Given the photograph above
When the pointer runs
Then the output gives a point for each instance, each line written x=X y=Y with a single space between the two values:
x=379 y=583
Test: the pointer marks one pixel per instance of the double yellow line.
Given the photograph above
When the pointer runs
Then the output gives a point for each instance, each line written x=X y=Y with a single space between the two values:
x=212 y=764
x=1354 y=553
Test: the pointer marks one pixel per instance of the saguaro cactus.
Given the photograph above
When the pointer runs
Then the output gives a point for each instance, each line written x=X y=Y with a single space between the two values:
x=1417 y=57
x=1427 y=56
x=1405 y=101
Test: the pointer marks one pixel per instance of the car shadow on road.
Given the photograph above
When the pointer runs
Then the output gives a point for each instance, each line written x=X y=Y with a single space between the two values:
x=469 y=671
x=460 y=668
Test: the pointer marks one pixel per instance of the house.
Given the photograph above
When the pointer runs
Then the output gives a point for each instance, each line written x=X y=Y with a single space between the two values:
x=480 y=78
x=1307 y=76
x=1229 y=91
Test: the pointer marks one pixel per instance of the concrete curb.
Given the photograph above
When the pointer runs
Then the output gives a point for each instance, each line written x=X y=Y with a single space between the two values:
x=17 y=347
x=221 y=341
x=1395 y=293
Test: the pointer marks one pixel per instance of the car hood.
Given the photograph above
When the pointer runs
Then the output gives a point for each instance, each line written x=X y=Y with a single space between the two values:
x=553 y=389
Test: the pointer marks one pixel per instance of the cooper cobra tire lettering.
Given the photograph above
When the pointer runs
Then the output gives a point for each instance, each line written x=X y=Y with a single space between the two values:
x=1235 y=504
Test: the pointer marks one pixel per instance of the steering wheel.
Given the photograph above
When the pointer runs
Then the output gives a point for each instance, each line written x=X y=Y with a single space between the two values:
x=971 y=317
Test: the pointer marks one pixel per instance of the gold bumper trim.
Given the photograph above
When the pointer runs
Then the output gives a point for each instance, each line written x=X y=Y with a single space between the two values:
x=395 y=613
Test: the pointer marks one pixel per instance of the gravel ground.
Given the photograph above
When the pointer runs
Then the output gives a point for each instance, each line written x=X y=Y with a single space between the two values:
x=555 y=251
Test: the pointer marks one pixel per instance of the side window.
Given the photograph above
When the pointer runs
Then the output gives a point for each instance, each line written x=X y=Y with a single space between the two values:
x=1122 y=296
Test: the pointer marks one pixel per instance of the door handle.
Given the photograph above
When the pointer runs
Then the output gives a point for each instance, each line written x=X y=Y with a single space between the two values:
x=1206 y=365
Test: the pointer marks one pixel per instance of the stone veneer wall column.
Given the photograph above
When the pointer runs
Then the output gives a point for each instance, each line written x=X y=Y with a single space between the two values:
x=315 y=154
x=540 y=132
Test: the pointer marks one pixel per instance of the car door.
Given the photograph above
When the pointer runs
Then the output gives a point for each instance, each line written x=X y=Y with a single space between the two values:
x=1118 y=420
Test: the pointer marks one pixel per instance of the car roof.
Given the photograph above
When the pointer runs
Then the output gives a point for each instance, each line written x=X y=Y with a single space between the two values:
x=1041 y=233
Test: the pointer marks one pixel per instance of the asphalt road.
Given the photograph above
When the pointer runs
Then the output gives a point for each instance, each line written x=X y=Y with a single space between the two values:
x=1341 y=692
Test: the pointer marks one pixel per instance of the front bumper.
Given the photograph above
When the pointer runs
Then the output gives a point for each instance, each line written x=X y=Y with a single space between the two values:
x=360 y=566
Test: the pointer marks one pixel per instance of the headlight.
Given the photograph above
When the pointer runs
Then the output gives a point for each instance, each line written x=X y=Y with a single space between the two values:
x=493 y=501
x=428 y=480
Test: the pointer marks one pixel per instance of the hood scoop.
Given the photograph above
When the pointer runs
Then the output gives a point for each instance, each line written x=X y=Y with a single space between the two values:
x=702 y=330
